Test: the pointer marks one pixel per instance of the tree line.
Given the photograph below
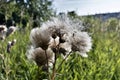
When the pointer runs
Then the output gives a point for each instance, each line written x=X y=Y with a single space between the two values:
x=21 y=12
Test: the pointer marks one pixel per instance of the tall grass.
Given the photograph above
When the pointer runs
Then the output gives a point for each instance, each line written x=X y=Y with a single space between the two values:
x=103 y=62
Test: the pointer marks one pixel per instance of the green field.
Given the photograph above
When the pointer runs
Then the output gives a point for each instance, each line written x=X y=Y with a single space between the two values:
x=103 y=62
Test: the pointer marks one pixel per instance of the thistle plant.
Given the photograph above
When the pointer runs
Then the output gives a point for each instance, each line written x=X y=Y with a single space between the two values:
x=10 y=44
x=57 y=37
x=3 y=31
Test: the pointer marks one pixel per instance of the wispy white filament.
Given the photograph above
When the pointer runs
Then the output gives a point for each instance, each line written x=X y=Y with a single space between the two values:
x=58 y=35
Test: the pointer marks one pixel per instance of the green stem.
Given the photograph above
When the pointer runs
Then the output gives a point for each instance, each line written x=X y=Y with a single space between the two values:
x=54 y=68
x=47 y=63
x=62 y=62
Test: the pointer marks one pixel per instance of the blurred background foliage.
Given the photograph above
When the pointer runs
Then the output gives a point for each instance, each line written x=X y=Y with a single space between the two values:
x=21 y=12
x=103 y=62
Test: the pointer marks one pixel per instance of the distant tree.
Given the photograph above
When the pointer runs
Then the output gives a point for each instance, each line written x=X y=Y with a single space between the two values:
x=39 y=10
x=24 y=11
x=2 y=18
x=72 y=14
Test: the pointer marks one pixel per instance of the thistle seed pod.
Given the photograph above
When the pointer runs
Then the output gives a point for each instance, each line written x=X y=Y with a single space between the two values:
x=3 y=31
x=39 y=38
x=40 y=56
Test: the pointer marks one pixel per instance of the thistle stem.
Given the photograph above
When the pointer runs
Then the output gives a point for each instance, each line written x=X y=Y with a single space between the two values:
x=54 y=68
x=47 y=62
x=63 y=61
x=54 y=64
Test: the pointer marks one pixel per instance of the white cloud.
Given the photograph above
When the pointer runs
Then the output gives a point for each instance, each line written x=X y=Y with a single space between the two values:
x=84 y=7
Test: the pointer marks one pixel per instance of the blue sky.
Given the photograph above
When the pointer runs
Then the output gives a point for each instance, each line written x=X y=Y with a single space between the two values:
x=85 y=7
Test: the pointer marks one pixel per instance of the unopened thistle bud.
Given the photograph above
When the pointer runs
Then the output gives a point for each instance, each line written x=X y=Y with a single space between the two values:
x=13 y=42
x=9 y=46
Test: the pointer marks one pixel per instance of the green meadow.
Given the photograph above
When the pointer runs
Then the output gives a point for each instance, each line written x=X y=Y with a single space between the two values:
x=103 y=62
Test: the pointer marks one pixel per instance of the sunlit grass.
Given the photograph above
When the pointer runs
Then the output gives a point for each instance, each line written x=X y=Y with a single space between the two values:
x=103 y=62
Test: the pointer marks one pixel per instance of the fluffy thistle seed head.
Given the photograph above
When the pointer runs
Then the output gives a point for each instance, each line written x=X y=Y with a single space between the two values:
x=66 y=48
x=58 y=35
x=81 y=42
x=11 y=30
x=39 y=55
x=13 y=42
x=54 y=42
x=3 y=28
x=3 y=31
x=39 y=38
x=9 y=46
x=55 y=26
